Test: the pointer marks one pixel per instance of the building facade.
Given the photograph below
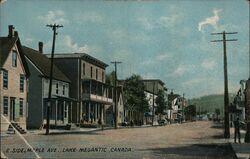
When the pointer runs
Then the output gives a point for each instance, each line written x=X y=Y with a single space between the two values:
x=14 y=75
x=94 y=97
x=176 y=104
x=61 y=107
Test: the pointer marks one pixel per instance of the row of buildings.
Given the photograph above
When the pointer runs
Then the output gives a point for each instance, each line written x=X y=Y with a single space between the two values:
x=79 y=91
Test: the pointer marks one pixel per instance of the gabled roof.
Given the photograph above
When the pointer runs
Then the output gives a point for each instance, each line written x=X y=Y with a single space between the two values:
x=83 y=56
x=6 y=45
x=171 y=97
x=42 y=62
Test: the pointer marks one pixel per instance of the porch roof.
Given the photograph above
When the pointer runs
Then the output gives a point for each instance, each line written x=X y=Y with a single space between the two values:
x=63 y=98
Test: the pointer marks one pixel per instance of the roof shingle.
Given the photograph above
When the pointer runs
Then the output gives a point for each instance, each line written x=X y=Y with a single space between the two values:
x=42 y=62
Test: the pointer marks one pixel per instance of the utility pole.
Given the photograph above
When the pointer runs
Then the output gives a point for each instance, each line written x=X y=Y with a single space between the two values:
x=247 y=104
x=153 y=110
x=49 y=104
x=183 y=108
x=226 y=97
x=116 y=107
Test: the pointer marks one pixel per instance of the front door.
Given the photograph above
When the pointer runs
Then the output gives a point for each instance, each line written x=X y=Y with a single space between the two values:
x=12 y=109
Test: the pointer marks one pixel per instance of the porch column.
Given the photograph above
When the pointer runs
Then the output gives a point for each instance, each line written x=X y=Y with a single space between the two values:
x=95 y=110
x=88 y=111
x=102 y=112
x=71 y=112
x=56 y=113
x=63 y=111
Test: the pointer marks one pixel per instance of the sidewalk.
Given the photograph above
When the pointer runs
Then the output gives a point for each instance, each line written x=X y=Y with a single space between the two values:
x=241 y=150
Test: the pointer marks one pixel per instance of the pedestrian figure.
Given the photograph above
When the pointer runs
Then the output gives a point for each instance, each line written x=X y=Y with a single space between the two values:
x=237 y=129
x=91 y=117
x=100 y=123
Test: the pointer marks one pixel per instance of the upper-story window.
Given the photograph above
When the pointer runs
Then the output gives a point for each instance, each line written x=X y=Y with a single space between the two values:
x=5 y=79
x=21 y=83
x=102 y=76
x=96 y=74
x=83 y=68
x=14 y=58
x=63 y=90
x=57 y=88
x=91 y=71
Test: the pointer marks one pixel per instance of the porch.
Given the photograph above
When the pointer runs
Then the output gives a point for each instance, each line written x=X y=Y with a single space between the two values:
x=60 y=110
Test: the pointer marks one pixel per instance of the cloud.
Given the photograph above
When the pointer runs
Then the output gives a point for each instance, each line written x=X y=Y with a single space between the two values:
x=162 y=57
x=2 y=1
x=163 y=21
x=182 y=69
x=210 y=20
x=72 y=46
x=53 y=17
x=28 y=41
x=92 y=17
x=157 y=58
x=168 y=21
x=208 y=64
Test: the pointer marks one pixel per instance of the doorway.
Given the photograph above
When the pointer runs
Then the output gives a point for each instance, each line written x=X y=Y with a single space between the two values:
x=12 y=108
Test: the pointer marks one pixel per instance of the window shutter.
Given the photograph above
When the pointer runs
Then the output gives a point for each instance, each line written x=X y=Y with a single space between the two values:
x=17 y=109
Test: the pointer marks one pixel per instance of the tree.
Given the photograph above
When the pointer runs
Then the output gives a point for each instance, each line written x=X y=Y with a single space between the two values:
x=135 y=98
x=161 y=103
x=110 y=78
x=190 y=112
x=217 y=112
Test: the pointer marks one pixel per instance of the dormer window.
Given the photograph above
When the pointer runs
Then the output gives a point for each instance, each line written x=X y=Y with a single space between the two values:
x=14 y=58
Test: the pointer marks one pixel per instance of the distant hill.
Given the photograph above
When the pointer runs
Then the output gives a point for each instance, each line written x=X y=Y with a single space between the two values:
x=208 y=104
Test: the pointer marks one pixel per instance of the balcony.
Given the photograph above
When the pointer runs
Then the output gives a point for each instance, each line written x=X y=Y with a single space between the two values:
x=97 y=91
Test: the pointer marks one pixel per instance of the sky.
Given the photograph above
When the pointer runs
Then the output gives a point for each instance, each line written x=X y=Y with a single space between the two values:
x=157 y=39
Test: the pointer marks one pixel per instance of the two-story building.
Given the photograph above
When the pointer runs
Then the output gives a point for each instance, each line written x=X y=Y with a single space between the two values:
x=89 y=88
x=14 y=73
x=176 y=104
x=152 y=87
x=61 y=108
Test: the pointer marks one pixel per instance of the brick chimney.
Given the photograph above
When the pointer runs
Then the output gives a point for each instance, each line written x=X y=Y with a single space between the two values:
x=40 y=46
x=11 y=31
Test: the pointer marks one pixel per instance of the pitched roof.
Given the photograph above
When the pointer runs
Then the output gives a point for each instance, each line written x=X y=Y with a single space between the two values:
x=6 y=44
x=42 y=62
x=83 y=56
x=171 y=97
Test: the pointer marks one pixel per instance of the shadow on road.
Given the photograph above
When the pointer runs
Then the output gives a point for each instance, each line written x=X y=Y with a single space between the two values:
x=208 y=151
x=75 y=133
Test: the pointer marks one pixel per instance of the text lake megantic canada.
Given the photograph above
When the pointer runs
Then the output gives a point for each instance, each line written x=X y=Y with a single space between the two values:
x=72 y=149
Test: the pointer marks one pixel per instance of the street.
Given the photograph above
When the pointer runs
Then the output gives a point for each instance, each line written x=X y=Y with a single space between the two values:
x=189 y=140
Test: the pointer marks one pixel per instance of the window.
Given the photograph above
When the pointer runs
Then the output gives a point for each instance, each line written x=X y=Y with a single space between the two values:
x=14 y=58
x=91 y=71
x=63 y=91
x=5 y=105
x=21 y=106
x=5 y=79
x=83 y=68
x=21 y=83
x=96 y=74
x=57 y=86
x=102 y=76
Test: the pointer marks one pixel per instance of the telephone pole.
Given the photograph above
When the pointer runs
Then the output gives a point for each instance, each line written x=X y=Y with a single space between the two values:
x=247 y=104
x=153 y=110
x=226 y=97
x=116 y=109
x=183 y=108
x=49 y=104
